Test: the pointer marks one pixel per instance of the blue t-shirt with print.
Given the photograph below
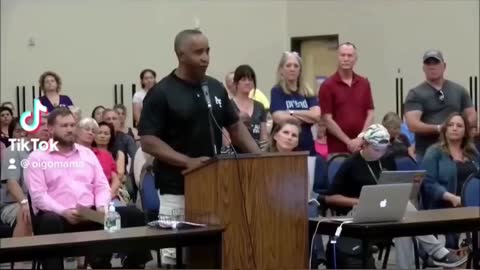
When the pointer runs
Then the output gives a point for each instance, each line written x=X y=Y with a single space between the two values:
x=295 y=102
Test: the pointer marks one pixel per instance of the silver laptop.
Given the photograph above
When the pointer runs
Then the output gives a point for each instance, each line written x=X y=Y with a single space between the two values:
x=404 y=177
x=381 y=203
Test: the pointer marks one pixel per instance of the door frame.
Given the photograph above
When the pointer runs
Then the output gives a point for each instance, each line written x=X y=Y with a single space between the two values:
x=296 y=42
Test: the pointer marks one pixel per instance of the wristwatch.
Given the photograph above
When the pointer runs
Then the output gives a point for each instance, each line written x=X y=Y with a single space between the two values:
x=24 y=201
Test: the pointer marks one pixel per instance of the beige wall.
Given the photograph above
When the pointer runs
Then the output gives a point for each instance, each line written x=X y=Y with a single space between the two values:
x=392 y=35
x=94 y=44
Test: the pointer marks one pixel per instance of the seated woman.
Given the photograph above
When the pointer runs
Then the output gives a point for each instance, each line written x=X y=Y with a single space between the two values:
x=284 y=136
x=87 y=128
x=122 y=117
x=105 y=140
x=9 y=105
x=6 y=119
x=363 y=168
x=97 y=113
x=448 y=164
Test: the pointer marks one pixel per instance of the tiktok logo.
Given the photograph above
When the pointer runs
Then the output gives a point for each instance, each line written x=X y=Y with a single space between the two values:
x=38 y=108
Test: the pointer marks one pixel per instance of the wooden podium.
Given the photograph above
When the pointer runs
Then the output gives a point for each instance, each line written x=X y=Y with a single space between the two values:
x=261 y=200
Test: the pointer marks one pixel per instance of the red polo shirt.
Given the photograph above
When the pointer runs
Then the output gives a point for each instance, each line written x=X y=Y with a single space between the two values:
x=348 y=106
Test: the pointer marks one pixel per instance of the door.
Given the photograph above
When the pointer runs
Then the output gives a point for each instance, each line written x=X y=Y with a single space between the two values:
x=319 y=55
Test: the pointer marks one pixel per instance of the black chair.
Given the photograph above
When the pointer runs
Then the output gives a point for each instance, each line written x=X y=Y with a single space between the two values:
x=333 y=164
x=471 y=198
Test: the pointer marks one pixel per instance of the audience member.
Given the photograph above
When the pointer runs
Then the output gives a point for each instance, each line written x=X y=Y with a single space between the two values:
x=122 y=117
x=319 y=131
x=254 y=94
x=399 y=144
x=229 y=84
x=76 y=112
x=97 y=113
x=50 y=85
x=15 y=209
x=285 y=136
x=346 y=102
x=123 y=141
x=87 y=129
x=448 y=164
x=293 y=99
x=364 y=168
x=14 y=131
x=9 y=105
x=174 y=123
x=147 y=81
x=6 y=118
x=258 y=95
x=251 y=112
x=429 y=104
x=56 y=193
x=105 y=140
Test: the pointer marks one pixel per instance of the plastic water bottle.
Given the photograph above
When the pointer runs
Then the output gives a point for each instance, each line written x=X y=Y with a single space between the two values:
x=112 y=219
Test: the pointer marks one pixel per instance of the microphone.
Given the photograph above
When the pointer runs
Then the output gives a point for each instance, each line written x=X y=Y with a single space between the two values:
x=206 y=94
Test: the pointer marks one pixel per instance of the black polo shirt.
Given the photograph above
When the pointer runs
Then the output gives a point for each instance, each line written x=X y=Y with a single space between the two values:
x=354 y=173
x=176 y=112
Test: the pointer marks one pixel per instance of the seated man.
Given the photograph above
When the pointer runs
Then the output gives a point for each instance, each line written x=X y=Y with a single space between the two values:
x=72 y=176
x=364 y=168
x=15 y=210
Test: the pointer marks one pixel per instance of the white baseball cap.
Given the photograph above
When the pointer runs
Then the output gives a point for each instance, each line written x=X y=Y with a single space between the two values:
x=376 y=135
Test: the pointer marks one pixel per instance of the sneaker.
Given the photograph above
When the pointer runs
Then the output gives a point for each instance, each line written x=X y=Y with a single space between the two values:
x=451 y=260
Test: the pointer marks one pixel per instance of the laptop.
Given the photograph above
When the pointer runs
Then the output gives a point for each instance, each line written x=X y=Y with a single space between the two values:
x=381 y=203
x=404 y=177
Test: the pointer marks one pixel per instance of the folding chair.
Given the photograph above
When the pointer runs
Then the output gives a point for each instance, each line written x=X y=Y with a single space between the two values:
x=471 y=198
x=149 y=198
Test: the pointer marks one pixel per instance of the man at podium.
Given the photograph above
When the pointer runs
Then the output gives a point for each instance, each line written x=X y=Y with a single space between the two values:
x=182 y=120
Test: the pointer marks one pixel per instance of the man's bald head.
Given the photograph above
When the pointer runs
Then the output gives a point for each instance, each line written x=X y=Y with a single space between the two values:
x=193 y=54
x=183 y=37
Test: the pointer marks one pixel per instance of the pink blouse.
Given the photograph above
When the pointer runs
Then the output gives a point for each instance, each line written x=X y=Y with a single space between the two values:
x=321 y=149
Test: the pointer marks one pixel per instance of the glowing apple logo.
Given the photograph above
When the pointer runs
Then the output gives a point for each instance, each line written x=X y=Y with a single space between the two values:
x=383 y=203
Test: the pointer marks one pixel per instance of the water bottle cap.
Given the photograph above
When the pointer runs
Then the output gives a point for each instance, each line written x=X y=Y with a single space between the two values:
x=111 y=207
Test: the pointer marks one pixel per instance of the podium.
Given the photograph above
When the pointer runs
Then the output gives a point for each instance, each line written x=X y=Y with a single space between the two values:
x=261 y=200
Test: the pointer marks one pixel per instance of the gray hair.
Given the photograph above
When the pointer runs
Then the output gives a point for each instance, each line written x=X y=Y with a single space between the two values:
x=87 y=122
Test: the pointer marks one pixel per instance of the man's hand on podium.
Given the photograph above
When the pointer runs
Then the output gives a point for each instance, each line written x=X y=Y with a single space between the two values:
x=194 y=162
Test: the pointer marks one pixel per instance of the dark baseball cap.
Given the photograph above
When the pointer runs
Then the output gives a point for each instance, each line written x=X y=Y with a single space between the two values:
x=435 y=54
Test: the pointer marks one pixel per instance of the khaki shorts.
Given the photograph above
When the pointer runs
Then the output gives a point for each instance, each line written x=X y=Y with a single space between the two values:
x=8 y=213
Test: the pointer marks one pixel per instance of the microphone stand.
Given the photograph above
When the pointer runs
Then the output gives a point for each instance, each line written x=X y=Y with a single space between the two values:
x=212 y=135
